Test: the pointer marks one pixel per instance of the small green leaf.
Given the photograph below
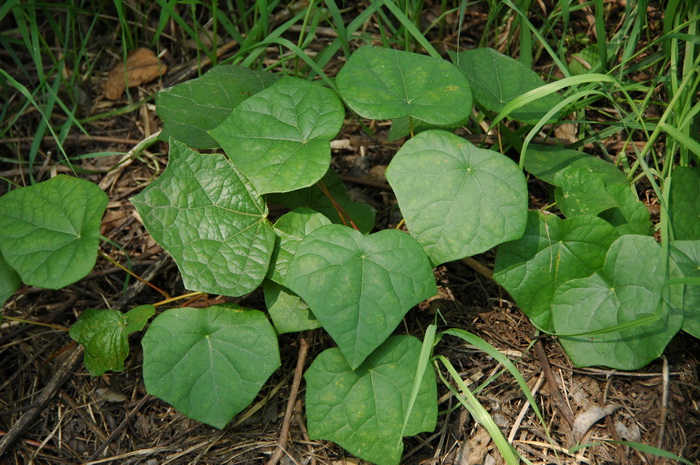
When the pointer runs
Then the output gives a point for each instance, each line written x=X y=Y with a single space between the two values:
x=291 y=228
x=137 y=317
x=458 y=200
x=49 y=232
x=363 y=410
x=628 y=291
x=208 y=217
x=280 y=137
x=360 y=287
x=551 y=252
x=209 y=363
x=686 y=254
x=289 y=313
x=496 y=79
x=313 y=197
x=190 y=109
x=583 y=61
x=684 y=203
x=382 y=83
x=105 y=335
x=9 y=281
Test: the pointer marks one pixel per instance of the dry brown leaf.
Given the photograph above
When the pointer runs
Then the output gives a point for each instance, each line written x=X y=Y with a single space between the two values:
x=142 y=65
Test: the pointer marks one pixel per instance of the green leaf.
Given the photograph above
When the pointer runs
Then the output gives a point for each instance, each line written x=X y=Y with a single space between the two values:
x=288 y=312
x=628 y=291
x=360 y=287
x=205 y=213
x=587 y=185
x=363 y=410
x=686 y=254
x=9 y=281
x=361 y=214
x=382 y=83
x=280 y=137
x=589 y=56
x=684 y=203
x=551 y=252
x=50 y=232
x=458 y=200
x=209 y=363
x=190 y=109
x=549 y=163
x=630 y=216
x=291 y=228
x=496 y=79
x=105 y=335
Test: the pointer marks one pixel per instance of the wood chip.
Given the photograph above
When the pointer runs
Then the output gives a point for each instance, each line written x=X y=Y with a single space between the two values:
x=142 y=66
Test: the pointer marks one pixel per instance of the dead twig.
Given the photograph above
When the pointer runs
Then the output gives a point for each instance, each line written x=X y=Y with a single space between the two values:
x=289 y=412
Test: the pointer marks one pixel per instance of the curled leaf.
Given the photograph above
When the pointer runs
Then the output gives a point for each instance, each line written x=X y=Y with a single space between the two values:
x=142 y=65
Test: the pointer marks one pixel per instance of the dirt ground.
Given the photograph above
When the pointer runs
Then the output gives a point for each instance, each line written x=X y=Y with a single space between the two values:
x=111 y=419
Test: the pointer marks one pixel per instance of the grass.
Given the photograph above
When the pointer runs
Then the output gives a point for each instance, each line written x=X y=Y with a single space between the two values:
x=639 y=90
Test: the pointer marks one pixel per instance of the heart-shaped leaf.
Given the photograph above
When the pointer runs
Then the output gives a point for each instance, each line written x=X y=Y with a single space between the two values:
x=551 y=252
x=382 y=83
x=291 y=228
x=686 y=254
x=190 y=109
x=360 y=287
x=496 y=79
x=684 y=203
x=458 y=200
x=105 y=335
x=363 y=410
x=628 y=293
x=630 y=215
x=280 y=137
x=49 y=232
x=9 y=281
x=288 y=312
x=361 y=214
x=209 y=363
x=208 y=217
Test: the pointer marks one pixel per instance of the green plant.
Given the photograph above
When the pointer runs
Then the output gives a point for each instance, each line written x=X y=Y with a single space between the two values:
x=318 y=269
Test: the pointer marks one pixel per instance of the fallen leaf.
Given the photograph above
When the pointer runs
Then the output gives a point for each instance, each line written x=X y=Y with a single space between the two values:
x=142 y=65
x=586 y=419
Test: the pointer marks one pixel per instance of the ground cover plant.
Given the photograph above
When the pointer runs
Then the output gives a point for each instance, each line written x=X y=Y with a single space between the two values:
x=589 y=266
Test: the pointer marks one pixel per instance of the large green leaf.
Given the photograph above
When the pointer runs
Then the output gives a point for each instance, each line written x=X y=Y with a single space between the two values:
x=628 y=291
x=458 y=200
x=360 y=287
x=280 y=137
x=382 y=83
x=496 y=79
x=684 y=203
x=291 y=228
x=208 y=217
x=209 y=363
x=363 y=410
x=9 y=281
x=551 y=252
x=361 y=214
x=49 y=232
x=105 y=335
x=189 y=110
x=686 y=255
x=288 y=312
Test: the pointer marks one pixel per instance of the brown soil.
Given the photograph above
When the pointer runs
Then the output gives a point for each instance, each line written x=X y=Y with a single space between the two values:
x=111 y=419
